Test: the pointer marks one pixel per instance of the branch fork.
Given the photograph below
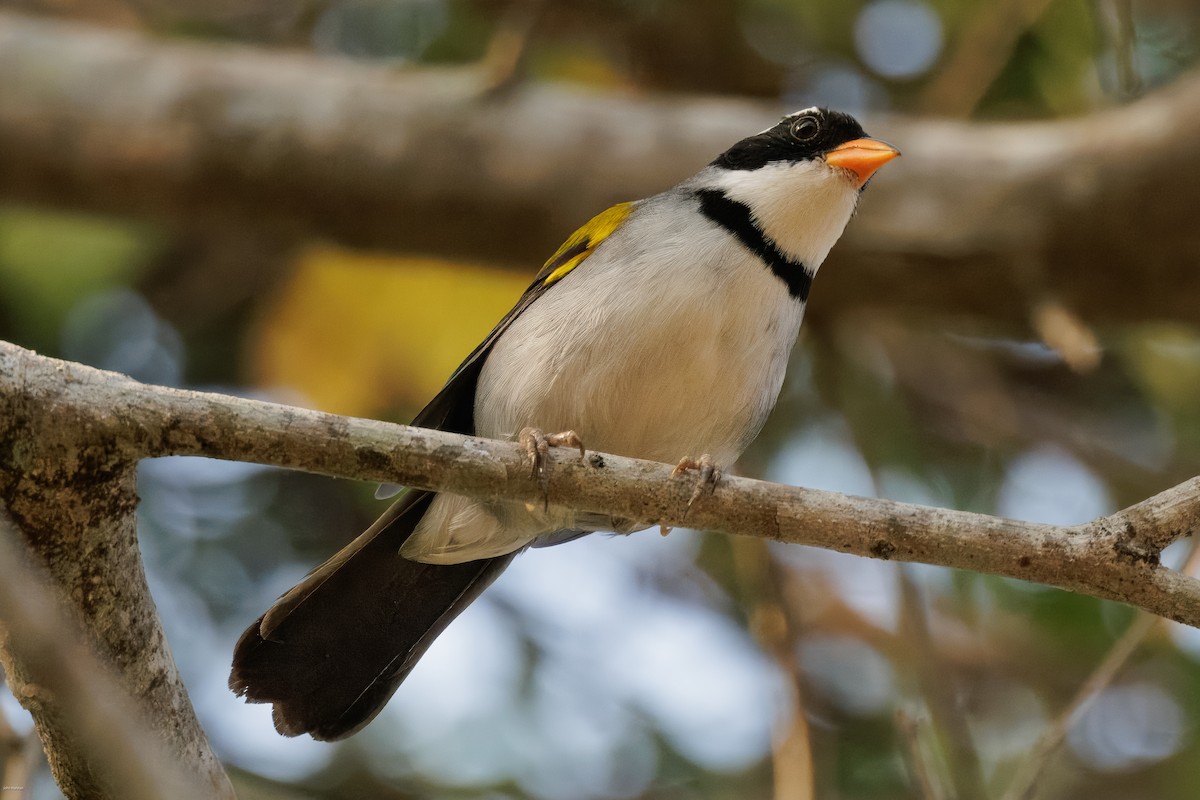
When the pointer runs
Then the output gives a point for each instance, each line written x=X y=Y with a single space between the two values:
x=70 y=436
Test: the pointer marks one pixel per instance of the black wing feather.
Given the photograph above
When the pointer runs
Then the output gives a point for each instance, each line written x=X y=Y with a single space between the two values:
x=332 y=651
x=453 y=408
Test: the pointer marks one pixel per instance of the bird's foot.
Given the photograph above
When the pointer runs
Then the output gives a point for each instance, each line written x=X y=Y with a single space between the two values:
x=706 y=481
x=537 y=446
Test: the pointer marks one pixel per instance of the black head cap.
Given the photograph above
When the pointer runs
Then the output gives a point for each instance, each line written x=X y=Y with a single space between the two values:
x=801 y=136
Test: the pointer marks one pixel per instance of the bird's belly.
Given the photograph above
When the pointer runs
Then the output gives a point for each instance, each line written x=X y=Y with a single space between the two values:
x=659 y=375
x=687 y=390
x=688 y=363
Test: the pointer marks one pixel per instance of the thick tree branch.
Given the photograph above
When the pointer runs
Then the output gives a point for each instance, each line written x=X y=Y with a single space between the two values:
x=983 y=219
x=116 y=757
x=74 y=500
x=1114 y=557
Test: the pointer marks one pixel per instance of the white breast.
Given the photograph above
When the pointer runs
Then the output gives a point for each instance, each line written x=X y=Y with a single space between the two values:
x=678 y=350
x=658 y=346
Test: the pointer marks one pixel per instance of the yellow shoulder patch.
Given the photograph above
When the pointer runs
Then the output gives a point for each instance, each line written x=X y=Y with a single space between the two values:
x=583 y=241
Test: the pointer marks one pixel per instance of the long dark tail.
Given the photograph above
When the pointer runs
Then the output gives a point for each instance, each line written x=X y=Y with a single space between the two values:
x=332 y=651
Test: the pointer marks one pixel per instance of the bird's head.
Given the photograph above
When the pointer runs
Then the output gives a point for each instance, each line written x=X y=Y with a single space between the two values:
x=800 y=179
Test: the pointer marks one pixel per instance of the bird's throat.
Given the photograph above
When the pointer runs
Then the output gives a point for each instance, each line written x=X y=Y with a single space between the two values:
x=736 y=218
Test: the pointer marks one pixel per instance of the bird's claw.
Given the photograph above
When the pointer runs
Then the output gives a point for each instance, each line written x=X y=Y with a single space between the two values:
x=706 y=481
x=537 y=446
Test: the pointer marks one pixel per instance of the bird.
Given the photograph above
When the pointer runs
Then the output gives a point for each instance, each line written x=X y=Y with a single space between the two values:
x=659 y=330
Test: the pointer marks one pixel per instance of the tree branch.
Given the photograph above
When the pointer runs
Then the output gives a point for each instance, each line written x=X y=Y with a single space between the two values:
x=74 y=499
x=105 y=751
x=983 y=219
x=1114 y=557
x=1025 y=780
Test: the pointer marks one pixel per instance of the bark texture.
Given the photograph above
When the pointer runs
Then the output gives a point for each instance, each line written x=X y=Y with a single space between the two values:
x=68 y=483
x=1114 y=557
x=96 y=742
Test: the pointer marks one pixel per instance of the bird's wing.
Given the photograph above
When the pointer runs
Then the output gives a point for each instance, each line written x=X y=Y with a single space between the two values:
x=452 y=409
x=330 y=652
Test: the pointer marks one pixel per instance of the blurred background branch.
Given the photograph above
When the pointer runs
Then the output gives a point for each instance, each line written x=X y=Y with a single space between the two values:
x=19 y=758
x=416 y=160
x=983 y=49
x=963 y=765
x=772 y=618
x=1025 y=781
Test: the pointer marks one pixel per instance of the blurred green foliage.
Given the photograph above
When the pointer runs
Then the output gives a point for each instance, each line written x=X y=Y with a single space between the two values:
x=49 y=262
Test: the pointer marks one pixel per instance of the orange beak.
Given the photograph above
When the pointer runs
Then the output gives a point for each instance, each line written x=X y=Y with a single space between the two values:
x=862 y=157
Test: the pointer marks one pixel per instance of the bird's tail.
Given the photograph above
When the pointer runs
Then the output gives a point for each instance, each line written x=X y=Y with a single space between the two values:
x=332 y=651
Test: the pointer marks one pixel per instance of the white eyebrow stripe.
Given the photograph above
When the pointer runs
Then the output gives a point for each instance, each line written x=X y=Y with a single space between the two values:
x=792 y=115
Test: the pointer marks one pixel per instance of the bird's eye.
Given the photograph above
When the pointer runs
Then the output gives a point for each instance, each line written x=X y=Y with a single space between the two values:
x=806 y=128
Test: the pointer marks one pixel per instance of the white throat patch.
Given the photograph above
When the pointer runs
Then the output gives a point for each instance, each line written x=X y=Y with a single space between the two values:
x=803 y=206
